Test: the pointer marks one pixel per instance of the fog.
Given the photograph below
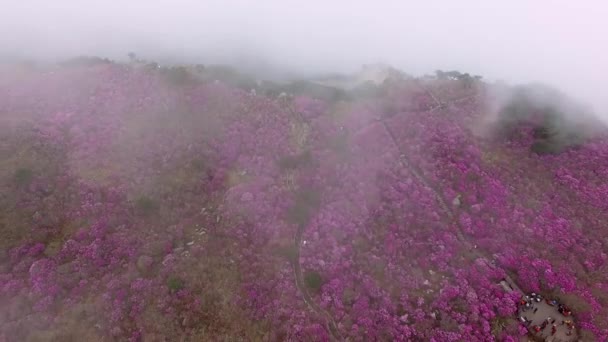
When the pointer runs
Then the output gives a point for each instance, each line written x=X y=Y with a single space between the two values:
x=562 y=43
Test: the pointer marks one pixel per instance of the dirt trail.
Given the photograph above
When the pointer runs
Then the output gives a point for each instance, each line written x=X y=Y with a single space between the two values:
x=330 y=323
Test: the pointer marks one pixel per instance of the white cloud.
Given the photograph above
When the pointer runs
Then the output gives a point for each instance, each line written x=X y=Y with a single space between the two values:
x=560 y=42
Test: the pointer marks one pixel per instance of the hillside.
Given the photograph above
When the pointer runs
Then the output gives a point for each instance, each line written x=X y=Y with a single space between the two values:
x=149 y=203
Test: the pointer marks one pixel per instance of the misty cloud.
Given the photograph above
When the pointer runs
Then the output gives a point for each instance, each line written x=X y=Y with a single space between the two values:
x=562 y=43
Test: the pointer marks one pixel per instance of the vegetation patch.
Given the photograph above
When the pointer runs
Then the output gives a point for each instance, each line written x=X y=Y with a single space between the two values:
x=306 y=203
x=178 y=75
x=175 y=284
x=313 y=281
x=289 y=252
x=499 y=324
x=545 y=147
x=146 y=206
x=199 y=164
x=297 y=161
x=23 y=176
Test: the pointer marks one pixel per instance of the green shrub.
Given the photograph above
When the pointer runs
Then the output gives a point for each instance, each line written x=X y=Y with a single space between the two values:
x=349 y=296
x=199 y=164
x=178 y=75
x=309 y=197
x=289 y=252
x=85 y=61
x=296 y=161
x=146 y=205
x=367 y=90
x=175 y=284
x=317 y=91
x=23 y=176
x=541 y=133
x=543 y=147
x=307 y=201
x=498 y=325
x=340 y=143
x=313 y=281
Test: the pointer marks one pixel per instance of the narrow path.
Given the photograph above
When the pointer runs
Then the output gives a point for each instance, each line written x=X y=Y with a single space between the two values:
x=330 y=323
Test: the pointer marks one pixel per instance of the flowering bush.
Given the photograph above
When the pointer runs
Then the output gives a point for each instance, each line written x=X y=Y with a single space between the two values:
x=145 y=204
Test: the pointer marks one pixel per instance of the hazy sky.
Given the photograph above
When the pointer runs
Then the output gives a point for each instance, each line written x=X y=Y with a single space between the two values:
x=564 y=43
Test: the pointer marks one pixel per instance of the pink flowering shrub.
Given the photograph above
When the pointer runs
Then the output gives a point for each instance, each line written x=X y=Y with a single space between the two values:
x=139 y=204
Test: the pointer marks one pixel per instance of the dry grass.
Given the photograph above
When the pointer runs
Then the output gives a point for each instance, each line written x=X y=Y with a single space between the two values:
x=72 y=325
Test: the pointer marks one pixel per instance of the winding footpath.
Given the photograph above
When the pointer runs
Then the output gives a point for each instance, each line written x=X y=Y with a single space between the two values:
x=330 y=323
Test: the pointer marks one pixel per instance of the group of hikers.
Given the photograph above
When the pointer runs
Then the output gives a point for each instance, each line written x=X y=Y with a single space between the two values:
x=528 y=302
